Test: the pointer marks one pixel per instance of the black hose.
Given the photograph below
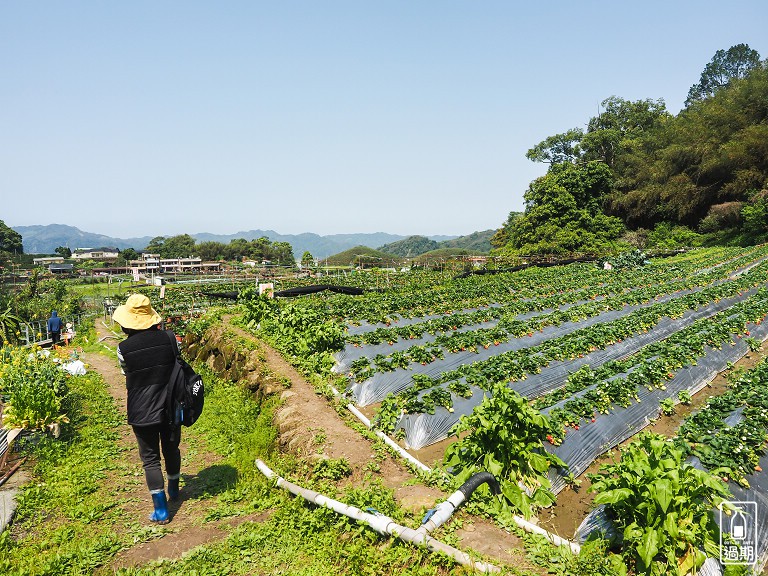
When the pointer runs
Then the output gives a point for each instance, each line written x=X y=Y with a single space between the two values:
x=476 y=481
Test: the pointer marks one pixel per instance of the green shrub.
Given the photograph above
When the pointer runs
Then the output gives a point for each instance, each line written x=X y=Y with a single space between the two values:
x=661 y=505
x=505 y=438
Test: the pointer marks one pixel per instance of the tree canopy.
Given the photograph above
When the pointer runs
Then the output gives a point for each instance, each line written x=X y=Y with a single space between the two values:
x=563 y=215
x=704 y=169
x=10 y=240
x=709 y=154
x=726 y=65
x=260 y=249
x=307 y=259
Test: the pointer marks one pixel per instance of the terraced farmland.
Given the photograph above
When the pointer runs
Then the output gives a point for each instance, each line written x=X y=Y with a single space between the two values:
x=587 y=359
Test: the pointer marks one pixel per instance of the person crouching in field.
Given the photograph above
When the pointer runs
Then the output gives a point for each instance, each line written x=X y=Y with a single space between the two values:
x=147 y=358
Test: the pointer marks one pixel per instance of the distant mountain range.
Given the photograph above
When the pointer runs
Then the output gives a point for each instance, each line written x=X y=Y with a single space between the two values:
x=45 y=239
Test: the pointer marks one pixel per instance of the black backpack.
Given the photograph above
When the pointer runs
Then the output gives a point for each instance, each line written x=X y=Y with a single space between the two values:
x=185 y=395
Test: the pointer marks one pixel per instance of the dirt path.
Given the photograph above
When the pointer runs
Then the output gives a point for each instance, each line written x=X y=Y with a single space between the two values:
x=186 y=529
x=304 y=413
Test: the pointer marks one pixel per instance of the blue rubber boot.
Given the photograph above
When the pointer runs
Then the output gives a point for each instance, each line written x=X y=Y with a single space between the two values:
x=160 y=515
x=173 y=487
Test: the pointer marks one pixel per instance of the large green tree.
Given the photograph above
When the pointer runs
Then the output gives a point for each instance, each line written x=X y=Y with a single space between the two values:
x=711 y=153
x=129 y=254
x=307 y=259
x=155 y=245
x=725 y=66
x=211 y=250
x=563 y=215
x=10 y=240
x=620 y=127
x=259 y=249
x=282 y=252
x=565 y=147
x=181 y=246
x=502 y=235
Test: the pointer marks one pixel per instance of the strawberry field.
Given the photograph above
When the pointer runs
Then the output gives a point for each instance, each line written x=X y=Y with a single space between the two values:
x=534 y=374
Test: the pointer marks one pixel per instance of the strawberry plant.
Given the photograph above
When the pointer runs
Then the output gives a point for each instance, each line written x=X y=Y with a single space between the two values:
x=460 y=388
x=734 y=451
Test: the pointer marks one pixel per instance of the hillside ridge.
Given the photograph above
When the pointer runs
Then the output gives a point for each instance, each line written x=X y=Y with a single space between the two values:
x=44 y=239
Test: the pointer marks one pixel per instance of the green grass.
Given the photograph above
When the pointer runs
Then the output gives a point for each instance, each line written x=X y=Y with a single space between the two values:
x=70 y=519
x=67 y=515
x=99 y=289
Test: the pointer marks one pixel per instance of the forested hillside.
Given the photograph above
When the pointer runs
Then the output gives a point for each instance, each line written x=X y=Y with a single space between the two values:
x=419 y=245
x=639 y=175
x=410 y=247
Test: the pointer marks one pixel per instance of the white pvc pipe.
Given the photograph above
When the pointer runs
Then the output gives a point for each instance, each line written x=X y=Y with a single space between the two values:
x=382 y=524
x=553 y=538
x=391 y=443
x=443 y=510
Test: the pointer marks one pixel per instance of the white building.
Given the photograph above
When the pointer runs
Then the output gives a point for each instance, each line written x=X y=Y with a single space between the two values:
x=95 y=254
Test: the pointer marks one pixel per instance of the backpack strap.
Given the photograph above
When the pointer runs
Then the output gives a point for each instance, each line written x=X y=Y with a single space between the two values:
x=170 y=389
x=174 y=344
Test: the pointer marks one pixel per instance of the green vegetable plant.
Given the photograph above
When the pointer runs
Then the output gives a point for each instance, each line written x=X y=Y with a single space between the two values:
x=752 y=343
x=33 y=386
x=10 y=325
x=662 y=507
x=331 y=469
x=504 y=437
x=733 y=451
x=685 y=397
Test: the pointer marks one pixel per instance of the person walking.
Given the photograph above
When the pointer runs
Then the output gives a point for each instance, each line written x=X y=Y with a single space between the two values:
x=54 y=327
x=147 y=357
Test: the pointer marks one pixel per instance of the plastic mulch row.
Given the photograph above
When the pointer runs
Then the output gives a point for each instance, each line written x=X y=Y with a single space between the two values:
x=425 y=429
x=581 y=447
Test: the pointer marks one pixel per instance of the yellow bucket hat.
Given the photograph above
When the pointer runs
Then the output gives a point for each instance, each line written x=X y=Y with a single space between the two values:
x=137 y=313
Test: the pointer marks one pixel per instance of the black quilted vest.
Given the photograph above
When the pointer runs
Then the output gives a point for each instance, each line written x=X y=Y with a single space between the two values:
x=149 y=358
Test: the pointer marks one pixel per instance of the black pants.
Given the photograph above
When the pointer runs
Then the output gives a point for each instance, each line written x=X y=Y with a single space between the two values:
x=150 y=438
x=55 y=336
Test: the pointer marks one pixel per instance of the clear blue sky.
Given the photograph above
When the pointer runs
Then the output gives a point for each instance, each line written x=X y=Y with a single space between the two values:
x=409 y=117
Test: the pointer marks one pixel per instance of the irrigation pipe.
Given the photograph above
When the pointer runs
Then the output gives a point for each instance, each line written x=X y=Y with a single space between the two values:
x=520 y=521
x=391 y=443
x=13 y=469
x=382 y=524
